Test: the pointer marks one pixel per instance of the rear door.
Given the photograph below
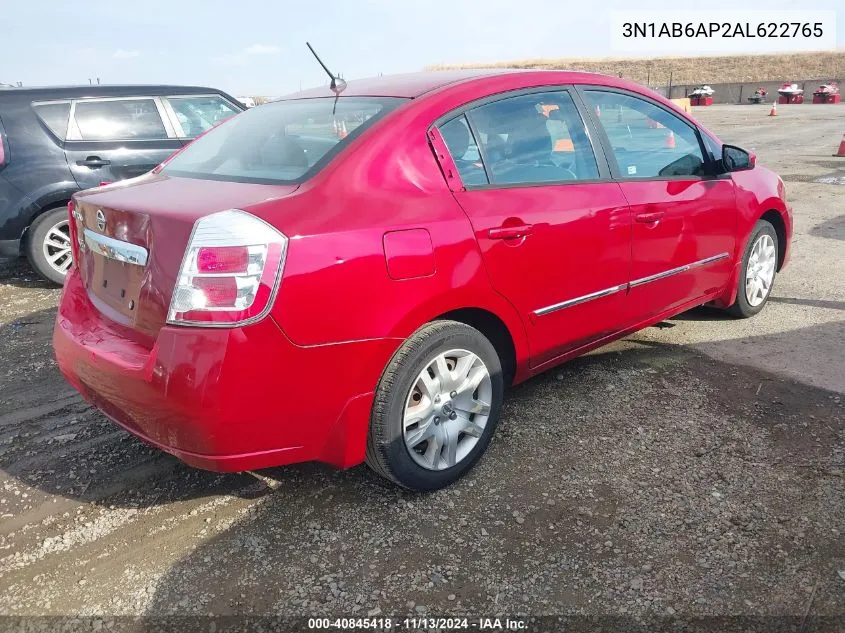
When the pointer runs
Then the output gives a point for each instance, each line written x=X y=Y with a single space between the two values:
x=684 y=218
x=111 y=139
x=554 y=231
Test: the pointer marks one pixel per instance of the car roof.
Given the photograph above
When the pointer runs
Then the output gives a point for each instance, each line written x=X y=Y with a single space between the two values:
x=408 y=85
x=109 y=90
x=412 y=85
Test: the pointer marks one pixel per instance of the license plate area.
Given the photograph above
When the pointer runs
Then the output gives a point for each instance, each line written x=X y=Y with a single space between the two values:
x=113 y=271
x=116 y=284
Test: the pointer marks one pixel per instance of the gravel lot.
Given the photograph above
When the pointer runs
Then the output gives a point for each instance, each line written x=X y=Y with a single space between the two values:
x=692 y=470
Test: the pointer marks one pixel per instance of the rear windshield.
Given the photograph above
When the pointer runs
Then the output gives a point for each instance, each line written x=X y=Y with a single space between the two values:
x=284 y=142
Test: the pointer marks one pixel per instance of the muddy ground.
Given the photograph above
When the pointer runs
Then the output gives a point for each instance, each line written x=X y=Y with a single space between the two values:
x=692 y=470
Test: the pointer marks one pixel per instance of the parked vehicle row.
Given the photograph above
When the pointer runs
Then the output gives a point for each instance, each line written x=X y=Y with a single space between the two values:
x=57 y=141
x=358 y=277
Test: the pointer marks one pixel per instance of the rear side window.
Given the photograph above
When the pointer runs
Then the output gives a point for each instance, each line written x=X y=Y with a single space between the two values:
x=647 y=141
x=119 y=120
x=197 y=114
x=281 y=142
x=533 y=138
x=55 y=116
x=464 y=150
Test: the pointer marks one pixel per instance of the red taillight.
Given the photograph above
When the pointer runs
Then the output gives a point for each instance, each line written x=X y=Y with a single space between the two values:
x=223 y=259
x=230 y=272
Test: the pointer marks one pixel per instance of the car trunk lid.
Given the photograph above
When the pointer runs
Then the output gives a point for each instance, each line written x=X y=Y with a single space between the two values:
x=133 y=236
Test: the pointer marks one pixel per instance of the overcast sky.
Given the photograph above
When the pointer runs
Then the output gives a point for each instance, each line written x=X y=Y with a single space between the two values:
x=248 y=47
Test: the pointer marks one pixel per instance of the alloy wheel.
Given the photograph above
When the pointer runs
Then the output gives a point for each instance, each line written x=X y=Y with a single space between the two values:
x=56 y=247
x=760 y=271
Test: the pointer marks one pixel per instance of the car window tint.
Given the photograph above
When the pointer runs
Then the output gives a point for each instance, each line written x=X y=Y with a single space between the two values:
x=279 y=142
x=119 y=120
x=197 y=114
x=464 y=151
x=55 y=116
x=646 y=140
x=534 y=138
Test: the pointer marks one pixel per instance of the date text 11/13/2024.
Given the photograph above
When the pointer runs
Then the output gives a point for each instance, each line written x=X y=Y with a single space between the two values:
x=420 y=623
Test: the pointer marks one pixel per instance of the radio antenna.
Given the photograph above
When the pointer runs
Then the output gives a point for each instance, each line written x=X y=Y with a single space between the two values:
x=337 y=85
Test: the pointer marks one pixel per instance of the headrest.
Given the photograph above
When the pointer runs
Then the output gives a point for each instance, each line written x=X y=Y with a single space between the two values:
x=529 y=138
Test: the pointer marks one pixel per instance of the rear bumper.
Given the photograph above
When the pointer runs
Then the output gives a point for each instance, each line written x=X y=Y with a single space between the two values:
x=223 y=399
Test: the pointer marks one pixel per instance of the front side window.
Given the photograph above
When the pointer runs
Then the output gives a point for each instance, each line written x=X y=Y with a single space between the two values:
x=280 y=142
x=55 y=116
x=534 y=138
x=197 y=114
x=119 y=120
x=647 y=141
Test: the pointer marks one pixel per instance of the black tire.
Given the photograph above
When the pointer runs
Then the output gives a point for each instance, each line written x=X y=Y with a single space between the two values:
x=387 y=453
x=35 y=243
x=741 y=308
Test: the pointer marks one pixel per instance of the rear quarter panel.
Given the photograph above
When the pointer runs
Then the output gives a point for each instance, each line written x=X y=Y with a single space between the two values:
x=336 y=285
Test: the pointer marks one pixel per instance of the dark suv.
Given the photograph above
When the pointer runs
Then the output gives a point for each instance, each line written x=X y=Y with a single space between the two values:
x=57 y=141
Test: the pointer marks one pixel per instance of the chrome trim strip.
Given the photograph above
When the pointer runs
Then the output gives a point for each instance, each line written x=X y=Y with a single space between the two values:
x=577 y=300
x=633 y=284
x=115 y=249
x=679 y=269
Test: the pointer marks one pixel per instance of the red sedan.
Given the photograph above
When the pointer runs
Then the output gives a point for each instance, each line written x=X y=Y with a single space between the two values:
x=358 y=277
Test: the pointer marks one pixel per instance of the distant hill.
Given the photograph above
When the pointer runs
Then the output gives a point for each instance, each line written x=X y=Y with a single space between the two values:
x=694 y=70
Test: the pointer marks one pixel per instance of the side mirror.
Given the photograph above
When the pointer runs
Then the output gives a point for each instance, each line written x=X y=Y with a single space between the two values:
x=737 y=159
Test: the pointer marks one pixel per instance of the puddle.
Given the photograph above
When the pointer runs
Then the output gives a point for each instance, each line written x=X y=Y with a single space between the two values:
x=829 y=164
x=824 y=180
x=798 y=177
x=831 y=180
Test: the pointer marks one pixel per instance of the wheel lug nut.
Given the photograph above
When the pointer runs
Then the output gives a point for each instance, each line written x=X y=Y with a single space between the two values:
x=453 y=394
x=436 y=420
x=453 y=416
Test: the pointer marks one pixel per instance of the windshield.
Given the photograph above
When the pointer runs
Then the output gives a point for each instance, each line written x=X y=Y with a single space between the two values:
x=279 y=143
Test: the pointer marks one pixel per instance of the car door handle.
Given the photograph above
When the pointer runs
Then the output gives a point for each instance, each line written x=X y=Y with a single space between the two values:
x=649 y=218
x=94 y=162
x=510 y=232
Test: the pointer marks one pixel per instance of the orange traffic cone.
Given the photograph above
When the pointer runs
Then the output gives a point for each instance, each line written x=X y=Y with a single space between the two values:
x=669 y=143
x=841 y=151
x=774 y=110
x=343 y=132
